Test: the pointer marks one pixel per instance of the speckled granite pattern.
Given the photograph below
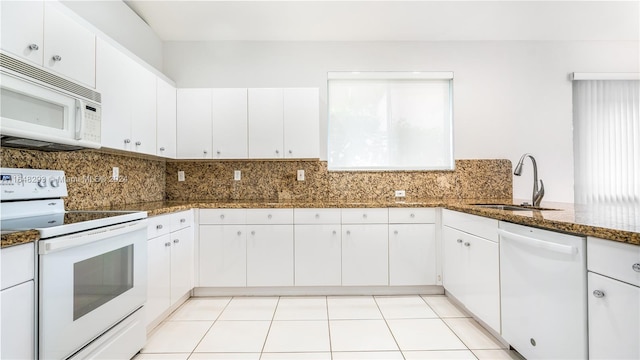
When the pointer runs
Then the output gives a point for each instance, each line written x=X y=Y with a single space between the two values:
x=19 y=237
x=88 y=175
x=276 y=181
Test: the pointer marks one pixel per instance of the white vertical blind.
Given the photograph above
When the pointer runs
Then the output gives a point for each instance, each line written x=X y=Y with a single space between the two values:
x=606 y=123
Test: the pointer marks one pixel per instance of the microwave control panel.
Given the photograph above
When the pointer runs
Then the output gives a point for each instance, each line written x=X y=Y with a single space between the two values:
x=92 y=119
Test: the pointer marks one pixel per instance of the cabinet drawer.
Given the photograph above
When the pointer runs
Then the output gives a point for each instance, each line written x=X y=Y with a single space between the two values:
x=412 y=216
x=181 y=220
x=316 y=216
x=472 y=224
x=270 y=216
x=365 y=216
x=158 y=225
x=17 y=264
x=614 y=259
x=222 y=216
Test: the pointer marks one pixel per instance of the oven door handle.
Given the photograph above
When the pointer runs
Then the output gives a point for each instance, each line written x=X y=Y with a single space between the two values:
x=65 y=242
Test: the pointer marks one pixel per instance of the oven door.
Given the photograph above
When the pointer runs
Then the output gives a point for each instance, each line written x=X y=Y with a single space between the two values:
x=89 y=282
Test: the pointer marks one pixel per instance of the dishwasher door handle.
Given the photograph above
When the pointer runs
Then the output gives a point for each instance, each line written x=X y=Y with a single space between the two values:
x=547 y=245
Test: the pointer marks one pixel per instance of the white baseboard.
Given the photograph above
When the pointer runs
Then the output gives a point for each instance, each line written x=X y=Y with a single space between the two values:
x=319 y=290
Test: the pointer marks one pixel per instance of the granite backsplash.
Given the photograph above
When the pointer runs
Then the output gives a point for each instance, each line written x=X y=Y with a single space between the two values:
x=146 y=178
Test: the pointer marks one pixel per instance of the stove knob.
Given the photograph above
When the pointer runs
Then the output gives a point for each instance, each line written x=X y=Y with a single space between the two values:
x=54 y=182
x=42 y=183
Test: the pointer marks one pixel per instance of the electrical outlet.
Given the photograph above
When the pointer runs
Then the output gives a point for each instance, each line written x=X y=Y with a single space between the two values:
x=180 y=175
x=300 y=175
x=237 y=175
x=400 y=193
x=115 y=173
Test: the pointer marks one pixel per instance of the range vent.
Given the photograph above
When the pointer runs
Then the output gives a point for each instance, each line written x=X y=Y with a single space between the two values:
x=35 y=73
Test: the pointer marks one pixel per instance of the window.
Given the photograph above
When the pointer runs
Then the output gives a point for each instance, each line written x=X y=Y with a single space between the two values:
x=390 y=121
x=606 y=133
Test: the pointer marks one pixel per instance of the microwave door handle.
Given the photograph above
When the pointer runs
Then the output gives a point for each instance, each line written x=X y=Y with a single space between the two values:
x=79 y=120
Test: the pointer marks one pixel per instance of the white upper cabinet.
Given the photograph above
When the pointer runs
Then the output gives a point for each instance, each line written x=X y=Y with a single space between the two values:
x=70 y=48
x=194 y=130
x=301 y=122
x=266 y=135
x=229 y=111
x=128 y=101
x=166 y=116
x=22 y=29
x=43 y=34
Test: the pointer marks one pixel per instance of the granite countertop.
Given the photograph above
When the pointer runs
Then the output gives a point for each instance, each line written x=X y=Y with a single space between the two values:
x=617 y=223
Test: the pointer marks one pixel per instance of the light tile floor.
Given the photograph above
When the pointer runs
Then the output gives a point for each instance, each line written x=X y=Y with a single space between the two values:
x=322 y=328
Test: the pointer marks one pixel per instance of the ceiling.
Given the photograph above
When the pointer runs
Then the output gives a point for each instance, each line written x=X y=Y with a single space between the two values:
x=181 y=20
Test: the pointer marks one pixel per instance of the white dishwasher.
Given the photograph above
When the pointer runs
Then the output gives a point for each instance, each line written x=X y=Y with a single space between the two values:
x=543 y=279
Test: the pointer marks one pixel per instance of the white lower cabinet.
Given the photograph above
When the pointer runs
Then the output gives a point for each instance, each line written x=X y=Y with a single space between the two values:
x=365 y=254
x=318 y=255
x=269 y=255
x=223 y=255
x=170 y=262
x=471 y=265
x=613 y=283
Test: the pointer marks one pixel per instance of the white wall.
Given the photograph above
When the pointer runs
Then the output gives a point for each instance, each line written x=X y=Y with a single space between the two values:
x=118 y=21
x=509 y=97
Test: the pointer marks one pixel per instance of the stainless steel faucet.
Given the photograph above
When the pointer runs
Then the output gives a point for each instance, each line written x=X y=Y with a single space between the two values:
x=537 y=194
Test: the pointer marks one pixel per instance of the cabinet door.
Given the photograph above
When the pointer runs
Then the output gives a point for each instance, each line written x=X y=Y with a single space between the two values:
x=113 y=73
x=412 y=254
x=143 y=111
x=222 y=255
x=482 y=296
x=22 y=29
x=318 y=255
x=18 y=322
x=454 y=262
x=166 y=116
x=72 y=43
x=265 y=124
x=194 y=130
x=301 y=123
x=614 y=319
x=270 y=255
x=365 y=255
x=229 y=111
x=182 y=263
x=158 y=281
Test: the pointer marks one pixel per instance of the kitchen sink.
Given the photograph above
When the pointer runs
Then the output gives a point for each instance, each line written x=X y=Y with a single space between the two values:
x=511 y=207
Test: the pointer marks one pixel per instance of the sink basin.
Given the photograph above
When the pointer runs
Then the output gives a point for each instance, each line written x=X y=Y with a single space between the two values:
x=511 y=207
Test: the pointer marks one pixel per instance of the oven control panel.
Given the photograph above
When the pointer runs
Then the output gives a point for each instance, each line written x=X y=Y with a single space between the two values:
x=27 y=184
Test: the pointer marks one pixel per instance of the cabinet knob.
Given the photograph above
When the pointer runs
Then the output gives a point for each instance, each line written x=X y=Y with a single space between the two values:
x=56 y=58
x=176 y=241
x=222 y=216
x=277 y=151
x=162 y=148
x=182 y=221
x=138 y=143
x=126 y=141
x=204 y=152
x=636 y=267
x=159 y=226
x=167 y=244
x=459 y=241
x=348 y=232
x=317 y=216
x=412 y=216
x=334 y=232
x=598 y=293
x=467 y=244
x=364 y=216
x=239 y=233
x=290 y=152
x=395 y=232
x=33 y=47
x=253 y=232
x=269 y=216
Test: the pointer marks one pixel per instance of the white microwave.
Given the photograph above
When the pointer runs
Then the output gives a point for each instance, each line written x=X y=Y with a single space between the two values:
x=43 y=111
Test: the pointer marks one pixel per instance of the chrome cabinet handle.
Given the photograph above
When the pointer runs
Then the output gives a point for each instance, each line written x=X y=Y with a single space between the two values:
x=290 y=152
x=138 y=143
x=239 y=233
x=222 y=216
x=348 y=232
x=277 y=151
x=218 y=152
x=459 y=241
x=269 y=216
x=467 y=244
x=334 y=232
x=395 y=232
x=176 y=241
x=56 y=58
x=183 y=220
x=162 y=148
x=126 y=141
x=167 y=244
x=159 y=227
x=253 y=232
x=412 y=215
x=636 y=267
x=204 y=151
x=598 y=293
x=33 y=47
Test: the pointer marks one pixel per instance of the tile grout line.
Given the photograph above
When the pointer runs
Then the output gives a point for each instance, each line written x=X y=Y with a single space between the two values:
x=273 y=316
x=209 y=329
x=326 y=303
x=388 y=327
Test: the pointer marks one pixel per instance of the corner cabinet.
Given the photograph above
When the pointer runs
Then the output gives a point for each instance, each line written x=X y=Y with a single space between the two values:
x=613 y=282
x=471 y=264
x=44 y=33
